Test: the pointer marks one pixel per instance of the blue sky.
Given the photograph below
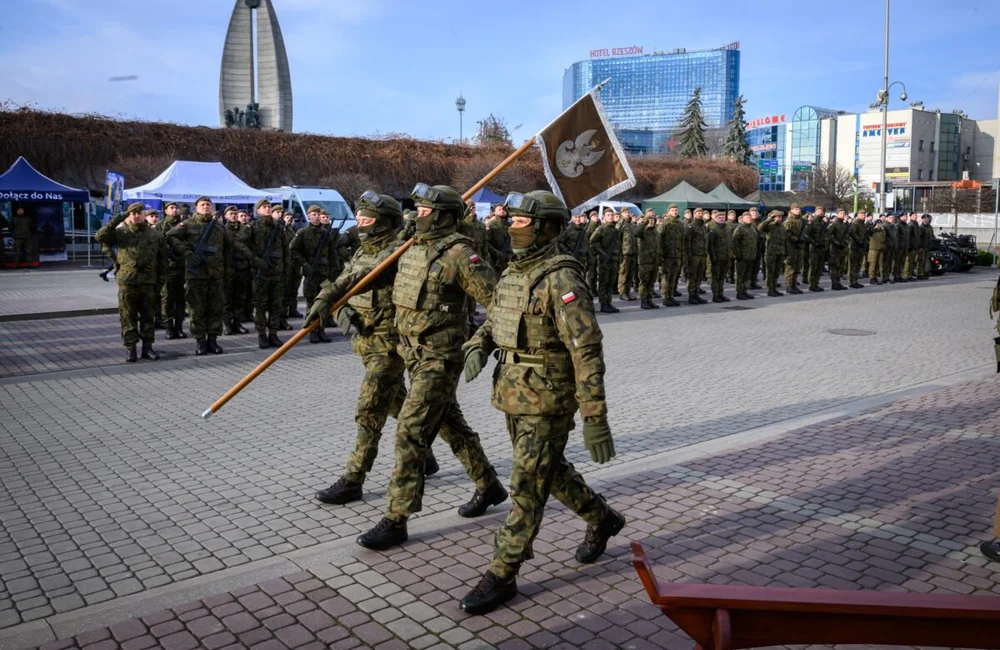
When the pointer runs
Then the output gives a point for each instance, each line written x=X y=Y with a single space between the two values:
x=365 y=67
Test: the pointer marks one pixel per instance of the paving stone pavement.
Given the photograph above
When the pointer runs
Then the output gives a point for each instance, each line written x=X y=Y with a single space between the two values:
x=37 y=291
x=114 y=490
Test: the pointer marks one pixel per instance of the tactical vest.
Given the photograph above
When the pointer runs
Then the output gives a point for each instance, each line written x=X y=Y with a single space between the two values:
x=370 y=301
x=514 y=327
x=414 y=287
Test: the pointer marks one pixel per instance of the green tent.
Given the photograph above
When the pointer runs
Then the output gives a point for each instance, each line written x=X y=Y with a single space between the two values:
x=732 y=201
x=684 y=196
x=774 y=200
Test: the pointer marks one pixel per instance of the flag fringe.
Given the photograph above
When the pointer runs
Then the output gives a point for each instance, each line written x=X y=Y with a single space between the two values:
x=626 y=184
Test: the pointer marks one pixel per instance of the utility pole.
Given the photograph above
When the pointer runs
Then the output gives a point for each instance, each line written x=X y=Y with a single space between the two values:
x=885 y=113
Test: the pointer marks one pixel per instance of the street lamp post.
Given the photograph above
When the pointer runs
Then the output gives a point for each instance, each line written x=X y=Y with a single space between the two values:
x=883 y=99
x=460 y=105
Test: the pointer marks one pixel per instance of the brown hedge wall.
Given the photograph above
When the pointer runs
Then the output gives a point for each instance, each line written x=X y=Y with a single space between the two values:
x=78 y=149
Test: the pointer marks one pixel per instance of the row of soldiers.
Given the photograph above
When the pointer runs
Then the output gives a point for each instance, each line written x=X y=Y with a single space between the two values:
x=622 y=252
x=220 y=272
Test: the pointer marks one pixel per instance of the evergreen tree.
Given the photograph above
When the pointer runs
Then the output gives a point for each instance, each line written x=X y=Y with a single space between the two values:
x=735 y=147
x=692 y=133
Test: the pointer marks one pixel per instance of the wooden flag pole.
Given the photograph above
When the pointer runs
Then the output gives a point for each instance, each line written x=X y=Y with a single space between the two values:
x=356 y=289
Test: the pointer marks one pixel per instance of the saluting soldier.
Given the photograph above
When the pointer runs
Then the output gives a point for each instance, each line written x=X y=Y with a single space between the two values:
x=877 y=265
x=647 y=258
x=141 y=258
x=206 y=248
x=540 y=321
x=794 y=229
x=857 y=234
x=172 y=298
x=775 y=251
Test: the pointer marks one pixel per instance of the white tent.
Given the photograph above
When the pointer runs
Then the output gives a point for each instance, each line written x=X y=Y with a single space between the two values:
x=185 y=181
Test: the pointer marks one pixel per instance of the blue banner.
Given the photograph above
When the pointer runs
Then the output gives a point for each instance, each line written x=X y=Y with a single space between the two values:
x=114 y=188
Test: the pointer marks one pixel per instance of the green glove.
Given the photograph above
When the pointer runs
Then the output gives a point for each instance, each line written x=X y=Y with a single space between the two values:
x=475 y=359
x=319 y=310
x=597 y=440
x=346 y=317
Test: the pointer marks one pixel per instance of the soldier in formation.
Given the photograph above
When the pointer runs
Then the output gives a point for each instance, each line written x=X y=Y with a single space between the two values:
x=816 y=238
x=647 y=258
x=236 y=279
x=314 y=252
x=141 y=258
x=696 y=251
x=604 y=242
x=671 y=233
x=720 y=250
x=745 y=255
x=266 y=241
x=540 y=321
x=774 y=252
x=796 y=231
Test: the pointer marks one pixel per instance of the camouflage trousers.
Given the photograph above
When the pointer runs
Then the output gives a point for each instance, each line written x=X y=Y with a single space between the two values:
x=137 y=310
x=856 y=260
x=876 y=265
x=205 y=299
x=695 y=273
x=671 y=274
x=816 y=258
x=539 y=469
x=793 y=262
x=430 y=408
x=626 y=271
x=910 y=269
x=592 y=273
x=267 y=300
x=772 y=269
x=290 y=300
x=744 y=268
x=899 y=264
x=382 y=394
x=888 y=264
x=838 y=257
x=719 y=272
x=172 y=298
x=647 y=278
x=236 y=291
x=606 y=270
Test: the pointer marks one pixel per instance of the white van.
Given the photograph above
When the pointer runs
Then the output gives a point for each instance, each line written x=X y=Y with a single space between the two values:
x=617 y=207
x=297 y=199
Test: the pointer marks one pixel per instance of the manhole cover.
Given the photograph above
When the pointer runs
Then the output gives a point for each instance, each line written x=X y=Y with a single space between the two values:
x=849 y=332
x=737 y=308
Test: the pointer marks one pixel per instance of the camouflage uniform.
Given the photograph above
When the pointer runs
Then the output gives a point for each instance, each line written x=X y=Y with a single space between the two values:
x=293 y=278
x=237 y=278
x=837 y=236
x=857 y=248
x=141 y=257
x=628 y=264
x=206 y=277
x=745 y=253
x=172 y=299
x=671 y=253
x=794 y=240
x=647 y=259
x=926 y=241
x=774 y=253
x=696 y=249
x=267 y=243
x=720 y=250
x=314 y=252
x=604 y=243
x=816 y=235
x=877 y=265
x=887 y=268
x=592 y=258
x=472 y=228
x=910 y=268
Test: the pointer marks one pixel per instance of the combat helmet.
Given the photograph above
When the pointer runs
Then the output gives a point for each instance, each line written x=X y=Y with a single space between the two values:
x=446 y=204
x=541 y=206
x=388 y=215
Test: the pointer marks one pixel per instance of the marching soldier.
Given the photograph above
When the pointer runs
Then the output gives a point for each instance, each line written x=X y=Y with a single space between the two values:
x=315 y=253
x=206 y=248
x=236 y=279
x=857 y=234
x=432 y=281
x=795 y=230
x=647 y=258
x=375 y=341
x=140 y=258
x=696 y=249
x=671 y=234
x=603 y=242
x=172 y=295
x=816 y=237
x=775 y=251
x=745 y=253
x=267 y=243
x=720 y=249
x=541 y=322
x=837 y=235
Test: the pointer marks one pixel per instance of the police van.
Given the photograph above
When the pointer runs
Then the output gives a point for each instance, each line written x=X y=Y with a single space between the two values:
x=297 y=199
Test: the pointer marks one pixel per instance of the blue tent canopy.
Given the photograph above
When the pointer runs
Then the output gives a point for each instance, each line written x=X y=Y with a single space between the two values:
x=485 y=195
x=24 y=183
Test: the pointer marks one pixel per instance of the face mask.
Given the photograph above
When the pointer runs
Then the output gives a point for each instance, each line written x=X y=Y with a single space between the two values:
x=424 y=223
x=521 y=239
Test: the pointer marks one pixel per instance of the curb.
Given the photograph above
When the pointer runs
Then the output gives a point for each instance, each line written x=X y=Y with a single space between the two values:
x=46 y=315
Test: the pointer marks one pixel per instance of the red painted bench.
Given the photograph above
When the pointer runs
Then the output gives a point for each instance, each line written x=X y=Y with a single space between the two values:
x=726 y=617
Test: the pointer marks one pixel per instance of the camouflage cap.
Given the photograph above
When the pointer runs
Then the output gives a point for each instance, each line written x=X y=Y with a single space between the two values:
x=230 y=208
x=152 y=213
x=314 y=208
x=324 y=213
x=258 y=204
x=201 y=199
x=775 y=213
x=171 y=203
x=794 y=206
x=673 y=206
x=138 y=206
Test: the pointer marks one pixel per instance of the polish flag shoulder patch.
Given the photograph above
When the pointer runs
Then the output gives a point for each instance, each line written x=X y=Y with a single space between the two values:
x=474 y=258
x=568 y=297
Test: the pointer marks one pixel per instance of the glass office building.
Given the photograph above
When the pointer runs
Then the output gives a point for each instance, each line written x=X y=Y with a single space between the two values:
x=768 y=154
x=646 y=96
x=807 y=143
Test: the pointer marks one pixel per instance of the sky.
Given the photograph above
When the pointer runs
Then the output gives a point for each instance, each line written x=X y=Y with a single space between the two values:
x=377 y=67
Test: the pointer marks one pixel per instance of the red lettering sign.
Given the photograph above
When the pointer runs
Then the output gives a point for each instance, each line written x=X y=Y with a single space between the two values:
x=770 y=120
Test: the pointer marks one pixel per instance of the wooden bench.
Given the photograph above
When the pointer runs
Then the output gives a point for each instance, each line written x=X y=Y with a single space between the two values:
x=725 y=617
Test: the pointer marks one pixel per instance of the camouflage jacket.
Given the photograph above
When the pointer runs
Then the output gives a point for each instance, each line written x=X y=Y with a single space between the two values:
x=857 y=232
x=627 y=233
x=541 y=310
x=775 y=237
x=793 y=230
x=257 y=240
x=315 y=248
x=891 y=235
x=837 y=234
x=696 y=239
x=671 y=239
x=241 y=252
x=720 y=243
x=142 y=252
x=185 y=237
x=646 y=244
x=745 y=242
x=926 y=236
x=604 y=242
x=573 y=241
x=816 y=233
x=877 y=239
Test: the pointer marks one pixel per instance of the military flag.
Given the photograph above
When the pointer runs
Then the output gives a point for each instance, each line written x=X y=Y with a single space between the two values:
x=583 y=160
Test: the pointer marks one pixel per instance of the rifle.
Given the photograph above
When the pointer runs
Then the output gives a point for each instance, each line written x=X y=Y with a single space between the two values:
x=843 y=240
x=316 y=257
x=268 y=253
x=202 y=250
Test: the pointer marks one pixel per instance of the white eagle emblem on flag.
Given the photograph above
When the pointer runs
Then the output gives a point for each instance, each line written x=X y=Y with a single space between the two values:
x=573 y=157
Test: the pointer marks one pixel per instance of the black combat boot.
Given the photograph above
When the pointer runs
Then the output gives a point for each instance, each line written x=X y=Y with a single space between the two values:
x=158 y=323
x=431 y=466
x=608 y=308
x=322 y=335
x=228 y=330
x=341 y=492
x=149 y=353
x=293 y=312
x=754 y=285
x=262 y=340
x=694 y=300
x=646 y=304
x=272 y=339
x=701 y=301
x=200 y=348
x=795 y=290
x=130 y=354
x=284 y=325
x=773 y=293
x=724 y=299
x=596 y=539
x=172 y=330
x=213 y=346
x=238 y=327
x=314 y=336
x=816 y=289
x=741 y=296
x=104 y=275
x=652 y=305
x=386 y=533
x=483 y=499
x=490 y=593
x=670 y=302
x=179 y=328
x=991 y=550
x=717 y=299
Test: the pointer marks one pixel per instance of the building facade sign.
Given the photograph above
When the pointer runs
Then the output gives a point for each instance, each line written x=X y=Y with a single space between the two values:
x=632 y=50
x=769 y=120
